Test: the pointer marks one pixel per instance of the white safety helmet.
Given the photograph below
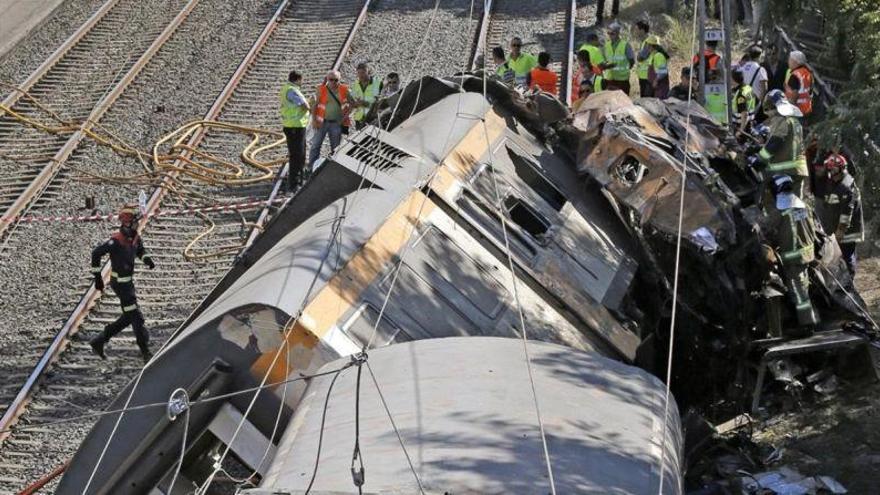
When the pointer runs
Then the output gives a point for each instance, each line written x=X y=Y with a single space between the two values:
x=776 y=99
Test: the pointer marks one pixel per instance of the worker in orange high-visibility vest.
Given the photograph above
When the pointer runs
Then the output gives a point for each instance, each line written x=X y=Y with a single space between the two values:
x=332 y=109
x=799 y=83
x=542 y=77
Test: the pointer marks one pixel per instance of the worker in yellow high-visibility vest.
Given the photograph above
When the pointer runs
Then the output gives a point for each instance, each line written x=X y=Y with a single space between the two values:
x=521 y=63
x=294 y=120
x=641 y=34
x=619 y=59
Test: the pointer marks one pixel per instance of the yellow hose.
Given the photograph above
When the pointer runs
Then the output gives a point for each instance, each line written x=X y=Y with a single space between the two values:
x=169 y=150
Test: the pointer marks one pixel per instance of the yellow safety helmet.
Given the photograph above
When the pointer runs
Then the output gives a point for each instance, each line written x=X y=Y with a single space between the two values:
x=128 y=213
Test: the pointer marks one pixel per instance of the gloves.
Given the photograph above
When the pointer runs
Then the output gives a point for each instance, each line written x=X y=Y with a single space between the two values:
x=149 y=262
x=99 y=282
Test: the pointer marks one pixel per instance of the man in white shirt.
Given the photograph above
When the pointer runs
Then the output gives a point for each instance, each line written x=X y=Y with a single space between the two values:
x=753 y=74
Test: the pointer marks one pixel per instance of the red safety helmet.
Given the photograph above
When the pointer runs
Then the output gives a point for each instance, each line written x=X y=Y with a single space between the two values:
x=835 y=164
x=128 y=214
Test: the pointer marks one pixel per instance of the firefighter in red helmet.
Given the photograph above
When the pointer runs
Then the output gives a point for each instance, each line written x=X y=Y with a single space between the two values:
x=839 y=207
x=123 y=246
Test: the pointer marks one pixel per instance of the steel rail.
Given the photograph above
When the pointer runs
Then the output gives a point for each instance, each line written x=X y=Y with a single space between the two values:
x=480 y=42
x=59 y=53
x=565 y=84
x=48 y=172
x=16 y=407
x=90 y=297
x=266 y=210
x=276 y=187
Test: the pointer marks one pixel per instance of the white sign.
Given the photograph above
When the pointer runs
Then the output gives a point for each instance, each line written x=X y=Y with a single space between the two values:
x=714 y=34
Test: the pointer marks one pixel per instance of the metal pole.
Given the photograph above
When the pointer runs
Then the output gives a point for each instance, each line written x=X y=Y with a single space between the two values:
x=728 y=61
x=701 y=94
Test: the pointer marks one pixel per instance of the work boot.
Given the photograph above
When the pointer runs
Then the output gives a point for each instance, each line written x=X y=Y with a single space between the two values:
x=98 y=347
x=146 y=355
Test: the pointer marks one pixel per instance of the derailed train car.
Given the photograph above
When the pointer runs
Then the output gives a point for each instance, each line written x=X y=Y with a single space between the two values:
x=590 y=210
x=418 y=207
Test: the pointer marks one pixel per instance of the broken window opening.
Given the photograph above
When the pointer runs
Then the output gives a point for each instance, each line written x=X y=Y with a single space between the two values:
x=489 y=217
x=535 y=180
x=629 y=172
x=526 y=217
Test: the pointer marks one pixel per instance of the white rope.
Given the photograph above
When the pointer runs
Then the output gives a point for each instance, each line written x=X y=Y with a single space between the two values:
x=396 y=431
x=424 y=200
x=515 y=289
x=218 y=464
x=182 y=452
x=682 y=187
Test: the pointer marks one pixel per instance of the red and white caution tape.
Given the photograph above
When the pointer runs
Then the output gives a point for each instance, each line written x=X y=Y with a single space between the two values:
x=159 y=212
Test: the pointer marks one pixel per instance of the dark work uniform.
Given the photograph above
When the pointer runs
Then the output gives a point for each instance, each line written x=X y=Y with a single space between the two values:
x=600 y=9
x=682 y=91
x=839 y=207
x=122 y=251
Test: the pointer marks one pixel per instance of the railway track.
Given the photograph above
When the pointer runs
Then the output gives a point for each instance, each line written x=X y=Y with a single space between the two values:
x=302 y=35
x=305 y=35
x=84 y=76
x=543 y=25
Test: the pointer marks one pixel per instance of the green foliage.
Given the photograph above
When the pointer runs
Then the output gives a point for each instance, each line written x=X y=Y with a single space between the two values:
x=852 y=31
x=678 y=37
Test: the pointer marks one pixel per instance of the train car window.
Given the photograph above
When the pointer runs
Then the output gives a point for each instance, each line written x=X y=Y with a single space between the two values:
x=526 y=217
x=487 y=216
x=450 y=269
x=360 y=327
x=526 y=171
x=424 y=303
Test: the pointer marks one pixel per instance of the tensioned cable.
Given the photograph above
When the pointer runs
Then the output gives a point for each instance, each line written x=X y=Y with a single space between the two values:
x=849 y=295
x=515 y=290
x=677 y=264
x=321 y=432
x=153 y=405
x=394 y=426
x=513 y=276
x=218 y=463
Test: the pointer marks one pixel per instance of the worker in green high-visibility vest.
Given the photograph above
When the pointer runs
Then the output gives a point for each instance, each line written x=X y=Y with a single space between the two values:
x=784 y=153
x=641 y=34
x=521 y=63
x=619 y=59
x=745 y=105
x=294 y=120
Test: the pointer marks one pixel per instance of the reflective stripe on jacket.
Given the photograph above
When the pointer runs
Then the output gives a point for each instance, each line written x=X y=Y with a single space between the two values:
x=744 y=94
x=292 y=115
x=321 y=105
x=642 y=65
x=788 y=159
x=841 y=204
x=803 y=96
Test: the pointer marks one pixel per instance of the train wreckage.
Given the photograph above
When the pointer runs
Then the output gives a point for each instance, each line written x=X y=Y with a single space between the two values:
x=444 y=220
